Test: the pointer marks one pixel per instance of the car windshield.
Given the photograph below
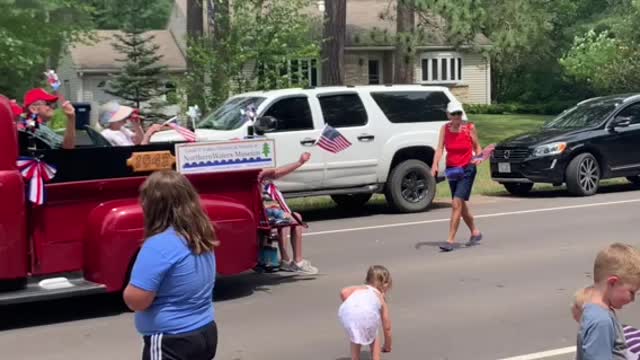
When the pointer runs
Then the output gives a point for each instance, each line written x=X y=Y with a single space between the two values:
x=228 y=115
x=584 y=115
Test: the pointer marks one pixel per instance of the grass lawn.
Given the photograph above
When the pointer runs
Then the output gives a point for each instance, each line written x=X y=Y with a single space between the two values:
x=491 y=129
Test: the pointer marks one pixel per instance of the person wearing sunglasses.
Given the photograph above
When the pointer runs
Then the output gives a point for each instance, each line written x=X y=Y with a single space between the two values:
x=115 y=116
x=40 y=107
x=459 y=138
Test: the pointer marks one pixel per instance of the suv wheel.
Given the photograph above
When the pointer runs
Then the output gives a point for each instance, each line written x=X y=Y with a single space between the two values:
x=518 y=189
x=351 y=201
x=410 y=187
x=583 y=175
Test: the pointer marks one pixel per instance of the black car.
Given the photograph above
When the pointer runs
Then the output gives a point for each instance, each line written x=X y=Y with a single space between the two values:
x=597 y=139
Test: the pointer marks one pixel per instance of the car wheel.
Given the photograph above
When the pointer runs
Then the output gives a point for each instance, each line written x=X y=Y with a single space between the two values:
x=351 y=201
x=518 y=189
x=635 y=180
x=583 y=175
x=410 y=187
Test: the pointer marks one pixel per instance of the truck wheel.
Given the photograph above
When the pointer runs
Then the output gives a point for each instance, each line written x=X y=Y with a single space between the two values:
x=410 y=187
x=518 y=189
x=583 y=175
x=351 y=201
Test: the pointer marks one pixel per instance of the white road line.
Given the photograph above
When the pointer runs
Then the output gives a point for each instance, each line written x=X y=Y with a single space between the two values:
x=544 y=354
x=481 y=216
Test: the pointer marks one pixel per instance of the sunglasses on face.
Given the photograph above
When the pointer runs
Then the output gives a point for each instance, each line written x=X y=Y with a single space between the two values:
x=52 y=105
x=456 y=113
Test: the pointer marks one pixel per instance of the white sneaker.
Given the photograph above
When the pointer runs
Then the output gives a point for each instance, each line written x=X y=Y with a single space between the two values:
x=304 y=267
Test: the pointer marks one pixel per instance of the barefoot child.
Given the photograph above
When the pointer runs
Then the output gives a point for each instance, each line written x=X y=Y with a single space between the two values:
x=631 y=334
x=364 y=310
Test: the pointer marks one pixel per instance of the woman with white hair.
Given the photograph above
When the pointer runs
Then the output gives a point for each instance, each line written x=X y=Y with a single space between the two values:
x=115 y=116
x=460 y=140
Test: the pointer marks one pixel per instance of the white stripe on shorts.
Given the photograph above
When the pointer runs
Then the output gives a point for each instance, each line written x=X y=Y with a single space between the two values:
x=152 y=348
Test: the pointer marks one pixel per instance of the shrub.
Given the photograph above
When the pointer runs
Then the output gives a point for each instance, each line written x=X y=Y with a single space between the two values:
x=550 y=108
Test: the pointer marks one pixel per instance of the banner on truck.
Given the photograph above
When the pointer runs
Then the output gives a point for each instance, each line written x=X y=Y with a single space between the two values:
x=221 y=156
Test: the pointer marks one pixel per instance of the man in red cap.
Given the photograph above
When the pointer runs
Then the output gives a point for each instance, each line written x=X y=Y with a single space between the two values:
x=41 y=105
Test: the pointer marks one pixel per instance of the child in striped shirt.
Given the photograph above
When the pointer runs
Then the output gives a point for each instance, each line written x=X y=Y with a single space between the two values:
x=631 y=334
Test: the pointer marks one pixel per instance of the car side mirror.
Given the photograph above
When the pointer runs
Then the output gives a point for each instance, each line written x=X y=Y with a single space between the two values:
x=621 y=122
x=265 y=124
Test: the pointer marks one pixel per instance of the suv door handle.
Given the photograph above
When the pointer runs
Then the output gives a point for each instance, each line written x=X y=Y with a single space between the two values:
x=366 y=137
x=307 y=142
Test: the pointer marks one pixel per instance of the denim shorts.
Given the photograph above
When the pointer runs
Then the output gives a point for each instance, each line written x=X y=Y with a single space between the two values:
x=275 y=213
x=461 y=189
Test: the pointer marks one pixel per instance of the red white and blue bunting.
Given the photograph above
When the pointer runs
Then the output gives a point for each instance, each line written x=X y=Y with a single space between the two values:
x=36 y=172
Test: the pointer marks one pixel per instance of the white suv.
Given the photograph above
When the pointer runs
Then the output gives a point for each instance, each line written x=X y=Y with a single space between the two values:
x=393 y=130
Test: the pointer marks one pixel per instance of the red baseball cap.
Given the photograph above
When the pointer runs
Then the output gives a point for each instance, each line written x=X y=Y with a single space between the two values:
x=38 y=94
x=17 y=109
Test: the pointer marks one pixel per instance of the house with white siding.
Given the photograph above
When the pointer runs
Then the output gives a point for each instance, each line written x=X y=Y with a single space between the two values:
x=368 y=58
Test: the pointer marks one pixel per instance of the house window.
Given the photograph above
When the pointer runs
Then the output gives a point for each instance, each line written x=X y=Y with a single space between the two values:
x=441 y=67
x=374 y=72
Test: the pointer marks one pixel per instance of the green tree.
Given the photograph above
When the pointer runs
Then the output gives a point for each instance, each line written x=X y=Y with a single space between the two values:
x=32 y=33
x=152 y=15
x=266 y=149
x=142 y=78
x=607 y=57
x=262 y=36
x=530 y=36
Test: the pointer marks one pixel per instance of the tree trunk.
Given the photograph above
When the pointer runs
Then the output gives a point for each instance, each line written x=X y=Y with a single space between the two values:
x=194 y=18
x=335 y=23
x=195 y=30
x=219 y=27
x=404 y=60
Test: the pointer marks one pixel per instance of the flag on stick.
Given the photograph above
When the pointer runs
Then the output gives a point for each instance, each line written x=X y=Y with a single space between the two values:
x=332 y=140
x=276 y=195
x=183 y=131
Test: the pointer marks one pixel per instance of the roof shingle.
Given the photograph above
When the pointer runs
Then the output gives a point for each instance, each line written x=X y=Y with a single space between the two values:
x=101 y=56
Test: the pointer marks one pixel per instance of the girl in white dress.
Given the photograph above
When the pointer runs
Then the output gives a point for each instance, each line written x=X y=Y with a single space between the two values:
x=364 y=310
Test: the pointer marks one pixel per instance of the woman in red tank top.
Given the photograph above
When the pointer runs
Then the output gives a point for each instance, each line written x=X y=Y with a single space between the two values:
x=460 y=140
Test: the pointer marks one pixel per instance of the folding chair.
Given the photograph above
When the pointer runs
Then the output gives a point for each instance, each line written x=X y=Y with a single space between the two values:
x=269 y=259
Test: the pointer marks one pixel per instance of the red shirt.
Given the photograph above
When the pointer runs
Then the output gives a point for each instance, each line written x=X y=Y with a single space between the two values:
x=459 y=145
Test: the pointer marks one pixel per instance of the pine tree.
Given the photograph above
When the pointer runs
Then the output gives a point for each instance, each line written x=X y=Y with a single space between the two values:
x=266 y=150
x=141 y=79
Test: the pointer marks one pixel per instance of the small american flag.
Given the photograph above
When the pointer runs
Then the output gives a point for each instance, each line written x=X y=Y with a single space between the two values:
x=632 y=338
x=276 y=195
x=332 y=141
x=186 y=133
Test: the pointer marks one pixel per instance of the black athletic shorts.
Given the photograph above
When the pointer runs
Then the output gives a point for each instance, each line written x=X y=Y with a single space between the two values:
x=200 y=344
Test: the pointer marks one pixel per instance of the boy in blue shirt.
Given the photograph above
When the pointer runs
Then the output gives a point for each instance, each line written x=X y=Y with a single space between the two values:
x=616 y=278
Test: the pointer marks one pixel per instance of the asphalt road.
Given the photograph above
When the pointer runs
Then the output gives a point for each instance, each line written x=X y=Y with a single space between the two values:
x=504 y=298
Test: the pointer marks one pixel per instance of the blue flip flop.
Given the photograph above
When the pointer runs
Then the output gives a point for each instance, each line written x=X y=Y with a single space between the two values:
x=446 y=247
x=474 y=239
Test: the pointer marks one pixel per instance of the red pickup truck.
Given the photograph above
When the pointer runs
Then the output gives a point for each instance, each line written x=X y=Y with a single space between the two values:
x=85 y=236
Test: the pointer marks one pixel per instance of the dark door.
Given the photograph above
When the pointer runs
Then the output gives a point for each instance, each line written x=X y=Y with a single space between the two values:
x=622 y=144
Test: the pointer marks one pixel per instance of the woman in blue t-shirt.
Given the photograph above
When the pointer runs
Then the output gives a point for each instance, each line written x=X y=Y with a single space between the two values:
x=171 y=287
